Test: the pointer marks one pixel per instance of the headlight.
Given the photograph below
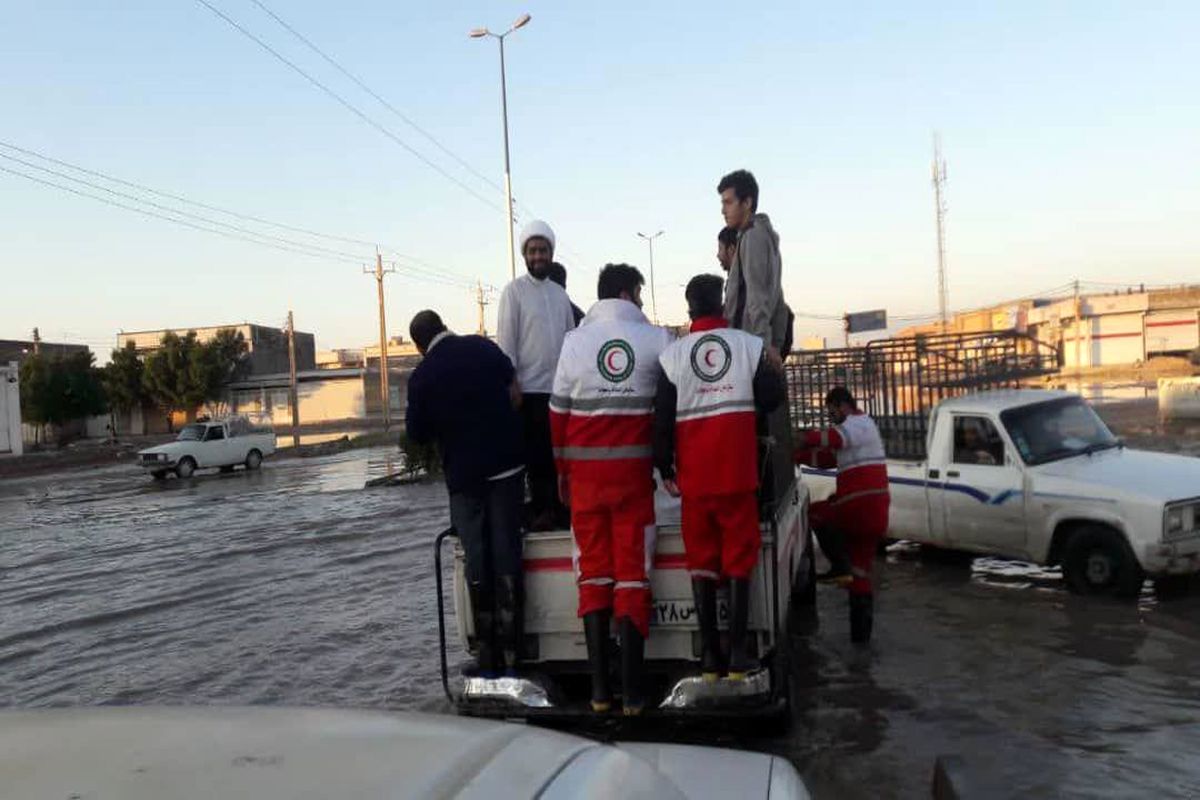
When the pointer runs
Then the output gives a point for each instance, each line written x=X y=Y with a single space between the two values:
x=1180 y=520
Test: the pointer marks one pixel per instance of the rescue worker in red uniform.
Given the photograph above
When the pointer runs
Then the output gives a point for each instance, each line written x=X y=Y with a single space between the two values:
x=601 y=425
x=851 y=523
x=712 y=382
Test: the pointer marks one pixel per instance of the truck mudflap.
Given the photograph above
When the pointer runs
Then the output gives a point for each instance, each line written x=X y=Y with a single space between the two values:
x=554 y=690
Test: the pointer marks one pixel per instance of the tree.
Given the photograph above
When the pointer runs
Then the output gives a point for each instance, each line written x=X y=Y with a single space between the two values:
x=57 y=390
x=167 y=374
x=123 y=379
x=184 y=374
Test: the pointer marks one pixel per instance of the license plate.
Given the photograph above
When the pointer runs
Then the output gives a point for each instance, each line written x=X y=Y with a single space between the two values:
x=682 y=613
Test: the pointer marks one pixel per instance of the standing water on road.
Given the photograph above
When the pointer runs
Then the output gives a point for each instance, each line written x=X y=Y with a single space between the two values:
x=294 y=585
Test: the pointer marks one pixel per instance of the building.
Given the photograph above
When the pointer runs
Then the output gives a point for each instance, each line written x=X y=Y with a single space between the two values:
x=10 y=409
x=1094 y=330
x=17 y=350
x=332 y=395
x=267 y=347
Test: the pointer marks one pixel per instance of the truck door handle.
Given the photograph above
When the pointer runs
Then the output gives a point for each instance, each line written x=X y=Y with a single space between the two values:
x=952 y=473
x=933 y=473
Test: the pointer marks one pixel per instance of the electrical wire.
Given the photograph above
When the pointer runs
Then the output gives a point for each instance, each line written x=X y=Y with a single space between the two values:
x=418 y=268
x=350 y=106
x=379 y=98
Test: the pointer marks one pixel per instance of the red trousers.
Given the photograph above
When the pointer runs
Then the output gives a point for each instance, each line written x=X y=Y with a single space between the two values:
x=614 y=543
x=720 y=535
x=861 y=523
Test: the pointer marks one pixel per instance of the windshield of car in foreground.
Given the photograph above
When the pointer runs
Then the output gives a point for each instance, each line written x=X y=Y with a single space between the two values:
x=190 y=433
x=1056 y=430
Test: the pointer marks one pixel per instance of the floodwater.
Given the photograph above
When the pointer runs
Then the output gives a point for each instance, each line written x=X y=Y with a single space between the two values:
x=294 y=585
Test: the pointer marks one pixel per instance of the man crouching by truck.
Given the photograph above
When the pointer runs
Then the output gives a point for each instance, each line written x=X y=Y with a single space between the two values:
x=712 y=382
x=601 y=424
x=851 y=523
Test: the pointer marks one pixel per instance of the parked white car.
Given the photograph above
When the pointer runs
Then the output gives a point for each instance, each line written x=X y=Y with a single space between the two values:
x=1038 y=476
x=283 y=753
x=222 y=444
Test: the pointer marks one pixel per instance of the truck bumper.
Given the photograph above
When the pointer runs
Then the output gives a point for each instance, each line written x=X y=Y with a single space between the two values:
x=1180 y=557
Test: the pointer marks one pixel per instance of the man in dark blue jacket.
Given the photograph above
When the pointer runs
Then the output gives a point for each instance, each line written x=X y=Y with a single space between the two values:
x=461 y=396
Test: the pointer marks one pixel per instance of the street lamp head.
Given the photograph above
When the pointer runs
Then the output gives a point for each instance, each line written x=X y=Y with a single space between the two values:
x=660 y=233
x=479 y=33
x=521 y=22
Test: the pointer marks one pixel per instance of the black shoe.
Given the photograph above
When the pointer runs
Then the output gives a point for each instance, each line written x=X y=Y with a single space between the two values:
x=740 y=661
x=595 y=629
x=509 y=616
x=862 y=617
x=482 y=603
x=704 y=592
x=632 y=653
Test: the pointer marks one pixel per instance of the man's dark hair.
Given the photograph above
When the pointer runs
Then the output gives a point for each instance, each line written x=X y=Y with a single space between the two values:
x=838 y=395
x=728 y=236
x=744 y=186
x=617 y=278
x=424 y=327
x=703 y=296
x=557 y=273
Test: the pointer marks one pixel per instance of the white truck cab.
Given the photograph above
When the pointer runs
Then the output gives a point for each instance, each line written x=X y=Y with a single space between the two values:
x=221 y=444
x=1036 y=475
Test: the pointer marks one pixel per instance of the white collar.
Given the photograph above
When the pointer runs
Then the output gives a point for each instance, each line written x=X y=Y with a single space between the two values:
x=615 y=309
x=437 y=340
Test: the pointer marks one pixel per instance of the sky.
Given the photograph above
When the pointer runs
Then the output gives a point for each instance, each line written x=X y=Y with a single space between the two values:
x=1071 y=133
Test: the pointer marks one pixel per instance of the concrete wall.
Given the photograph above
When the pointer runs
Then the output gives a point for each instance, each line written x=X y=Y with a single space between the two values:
x=11 y=440
x=267 y=349
x=324 y=400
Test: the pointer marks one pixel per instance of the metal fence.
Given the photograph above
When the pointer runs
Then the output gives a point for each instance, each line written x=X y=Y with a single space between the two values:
x=898 y=381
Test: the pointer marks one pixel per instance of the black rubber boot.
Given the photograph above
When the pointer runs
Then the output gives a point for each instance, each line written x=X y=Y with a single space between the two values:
x=482 y=603
x=740 y=661
x=862 y=617
x=509 y=616
x=632 y=657
x=704 y=592
x=595 y=629
x=833 y=545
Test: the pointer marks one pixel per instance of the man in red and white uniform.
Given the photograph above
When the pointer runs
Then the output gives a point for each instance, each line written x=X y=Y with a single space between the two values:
x=713 y=381
x=601 y=425
x=851 y=523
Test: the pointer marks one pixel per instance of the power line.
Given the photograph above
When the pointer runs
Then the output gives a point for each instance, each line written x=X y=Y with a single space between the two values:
x=350 y=106
x=379 y=98
x=361 y=84
x=419 y=268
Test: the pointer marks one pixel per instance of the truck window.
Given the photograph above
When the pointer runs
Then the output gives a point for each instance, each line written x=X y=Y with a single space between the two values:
x=976 y=441
x=214 y=433
x=1057 y=429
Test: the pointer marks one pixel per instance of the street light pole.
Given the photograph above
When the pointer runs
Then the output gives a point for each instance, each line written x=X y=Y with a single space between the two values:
x=508 y=201
x=653 y=301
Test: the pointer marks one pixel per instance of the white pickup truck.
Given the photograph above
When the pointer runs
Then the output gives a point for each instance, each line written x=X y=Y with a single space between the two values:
x=201 y=445
x=1038 y=476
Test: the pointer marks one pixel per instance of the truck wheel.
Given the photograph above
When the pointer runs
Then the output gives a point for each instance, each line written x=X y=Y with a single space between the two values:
x=186 y=467
x=253 y=460
x=804 y=590
x=1098 y=561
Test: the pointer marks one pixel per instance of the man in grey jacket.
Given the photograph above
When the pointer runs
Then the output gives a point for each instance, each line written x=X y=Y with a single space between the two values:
x=753 y=293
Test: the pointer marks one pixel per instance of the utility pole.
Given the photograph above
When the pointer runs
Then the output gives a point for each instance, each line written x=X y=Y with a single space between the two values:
x=653 y=301
x=1078 y=328
x=37 y=342
x=939 y=201
x=293 y=398
x=384 y=394
x=481 y=298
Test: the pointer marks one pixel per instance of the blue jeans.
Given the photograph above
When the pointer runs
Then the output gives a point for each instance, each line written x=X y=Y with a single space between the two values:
x=488 y=522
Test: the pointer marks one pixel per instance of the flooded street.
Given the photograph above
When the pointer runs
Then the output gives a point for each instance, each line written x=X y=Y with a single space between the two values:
x=295 y=585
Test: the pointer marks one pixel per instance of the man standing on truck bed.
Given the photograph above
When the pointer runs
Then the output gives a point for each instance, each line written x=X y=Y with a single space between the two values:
x=754 y=293
x=462 y=396
x=711 y=382
x=851 y=523
x=535 y=315
x=602 y=424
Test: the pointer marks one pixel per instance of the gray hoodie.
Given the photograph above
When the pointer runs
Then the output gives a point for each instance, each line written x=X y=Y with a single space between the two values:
x=753 y=294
